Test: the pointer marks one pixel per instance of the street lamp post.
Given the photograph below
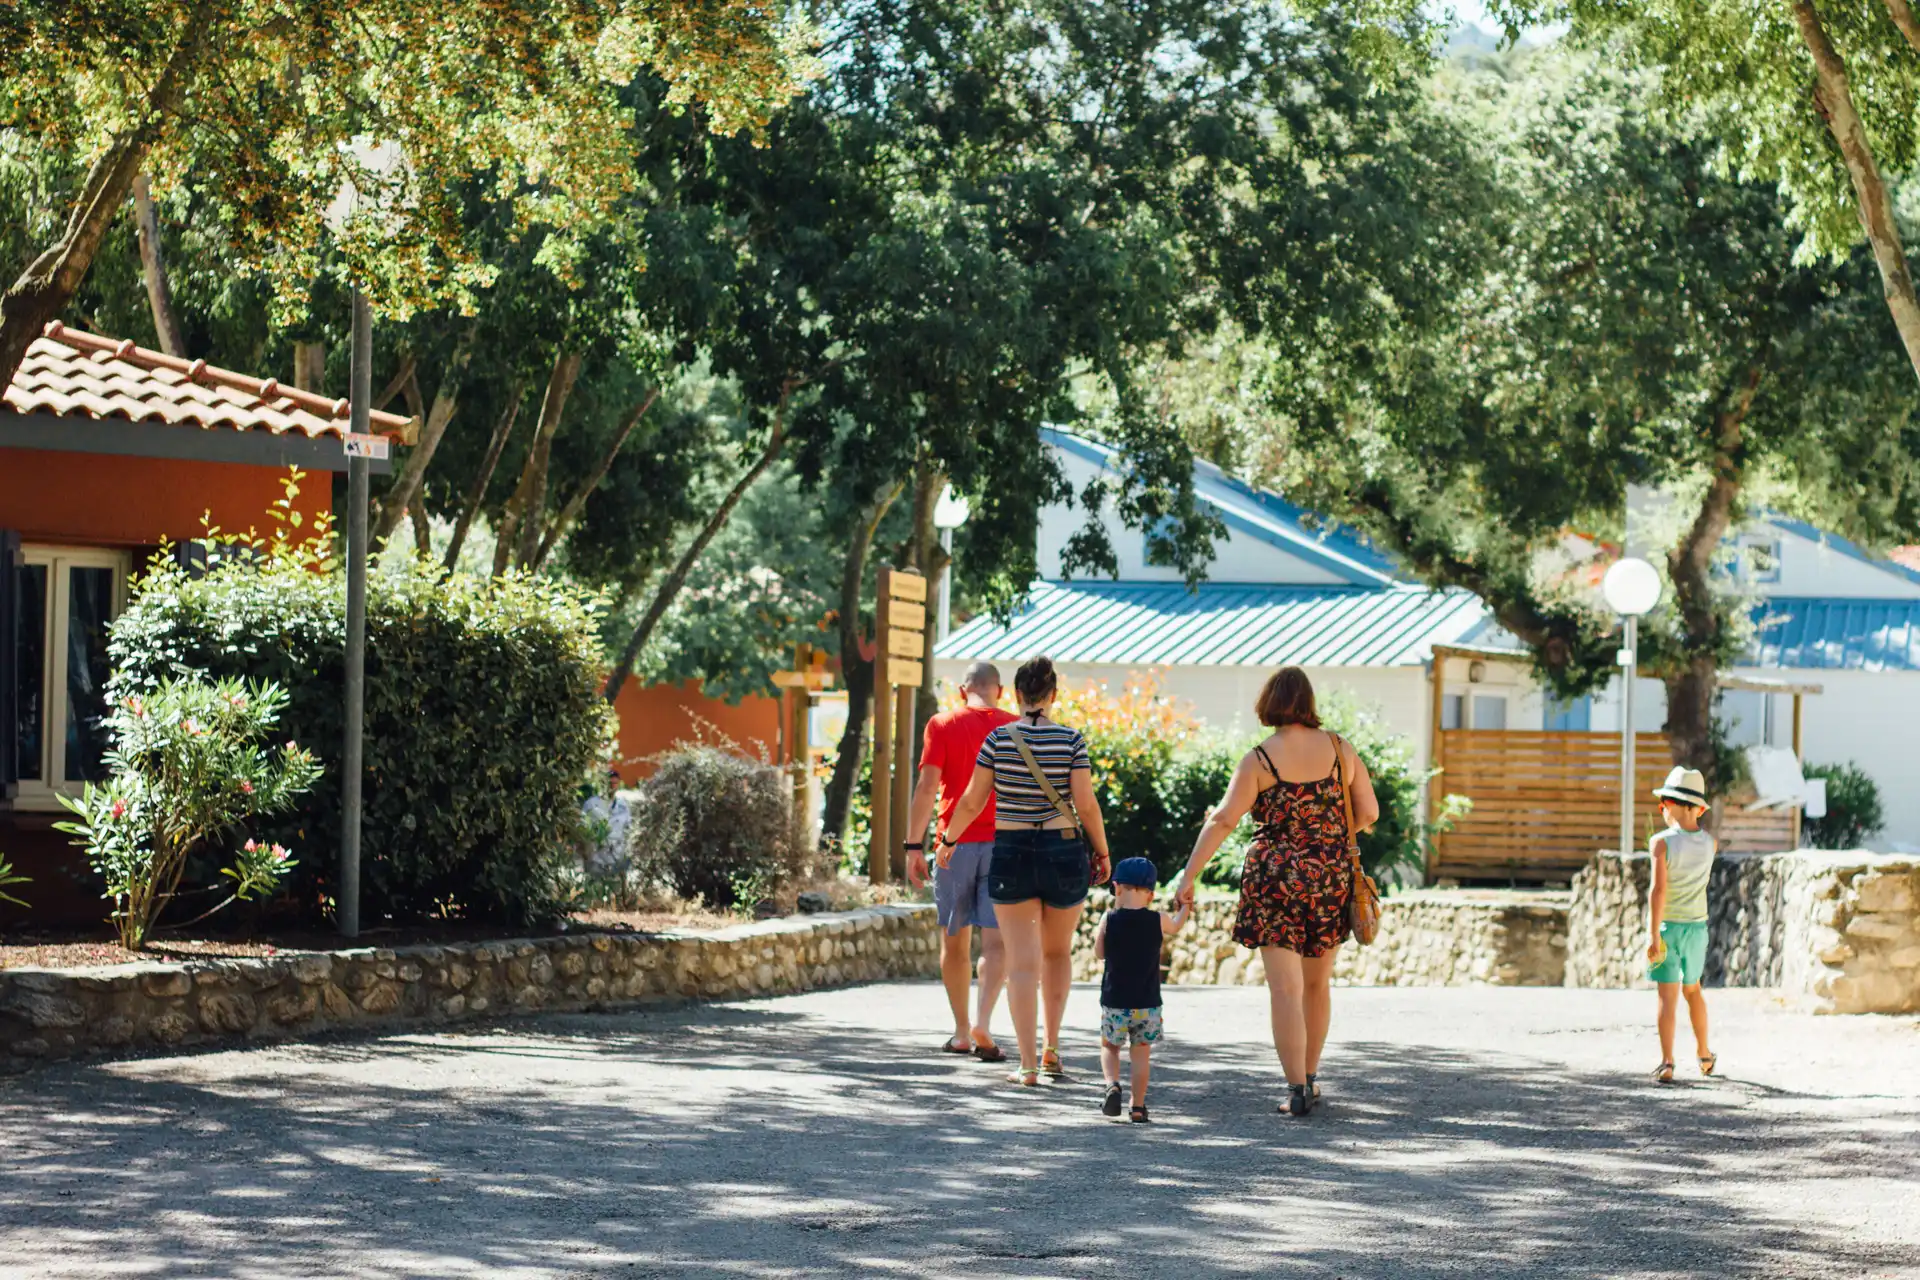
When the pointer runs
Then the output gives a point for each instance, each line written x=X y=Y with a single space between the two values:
x=1632 y=589
x=949 y=513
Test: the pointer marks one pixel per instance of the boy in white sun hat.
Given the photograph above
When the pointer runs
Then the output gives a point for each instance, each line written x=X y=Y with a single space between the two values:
x=1677 y=914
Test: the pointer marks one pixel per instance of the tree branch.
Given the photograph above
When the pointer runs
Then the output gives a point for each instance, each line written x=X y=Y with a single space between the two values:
x=153 y=267
x=520 y=522
x=477 y=491
x=574 y=505
x=433 y=428
x=1833 y=96
x=677 y=576
x=1902 y=15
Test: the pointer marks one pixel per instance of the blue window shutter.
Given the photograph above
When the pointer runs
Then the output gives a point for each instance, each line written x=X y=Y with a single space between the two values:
x=1569 y=717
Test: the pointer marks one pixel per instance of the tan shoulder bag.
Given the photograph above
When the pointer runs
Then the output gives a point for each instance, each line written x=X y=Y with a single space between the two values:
x=1061 y=805
x=1363 y=904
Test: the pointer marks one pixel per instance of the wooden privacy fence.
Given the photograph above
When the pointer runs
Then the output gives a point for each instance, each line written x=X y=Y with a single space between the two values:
x=1543 y=802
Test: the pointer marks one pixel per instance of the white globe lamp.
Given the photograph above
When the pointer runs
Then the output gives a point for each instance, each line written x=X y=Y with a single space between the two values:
x=1632 y=587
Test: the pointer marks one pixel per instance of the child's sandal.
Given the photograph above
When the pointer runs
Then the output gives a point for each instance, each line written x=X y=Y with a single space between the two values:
x=1138 y=1115
x=1708 y=1063
x=1110 y=1105
x=1663 y=1074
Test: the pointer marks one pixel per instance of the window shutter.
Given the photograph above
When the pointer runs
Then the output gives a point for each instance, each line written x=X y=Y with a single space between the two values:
x=10 y=560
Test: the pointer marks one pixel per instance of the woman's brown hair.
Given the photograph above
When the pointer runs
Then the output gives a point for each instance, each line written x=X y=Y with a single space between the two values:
x=1287 y=699
x=1035 y=681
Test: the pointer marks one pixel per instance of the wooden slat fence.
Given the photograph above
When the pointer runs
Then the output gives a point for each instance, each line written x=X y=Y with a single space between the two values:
x=1543 y=802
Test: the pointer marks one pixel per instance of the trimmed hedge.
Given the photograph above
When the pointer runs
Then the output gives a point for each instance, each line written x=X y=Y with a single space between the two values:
x=483 y=720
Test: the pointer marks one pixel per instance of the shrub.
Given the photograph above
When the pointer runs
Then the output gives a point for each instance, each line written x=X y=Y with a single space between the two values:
x=188 y=766
x=8 y=877
x=483 y=717
x=1853 y=812
x=717 y=825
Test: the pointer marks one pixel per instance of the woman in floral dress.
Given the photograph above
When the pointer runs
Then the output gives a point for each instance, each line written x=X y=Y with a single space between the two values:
x=1298 y=876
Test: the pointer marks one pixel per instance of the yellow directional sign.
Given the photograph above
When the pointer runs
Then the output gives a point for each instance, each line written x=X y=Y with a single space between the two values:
x=905 y=644
x=903 y=674
x=907 y=586
x=907 y=615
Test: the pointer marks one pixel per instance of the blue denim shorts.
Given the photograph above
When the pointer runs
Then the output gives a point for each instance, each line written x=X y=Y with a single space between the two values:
x=960 y=888
x=1048 y=865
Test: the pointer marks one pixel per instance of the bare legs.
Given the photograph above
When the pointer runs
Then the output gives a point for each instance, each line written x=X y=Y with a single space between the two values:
x=1037 y=939
x=1670 y=996
x=956 y=971
x=1142 y=1055
x=1302 y=1008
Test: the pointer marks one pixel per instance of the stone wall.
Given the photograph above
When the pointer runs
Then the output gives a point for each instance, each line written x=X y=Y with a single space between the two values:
x=1428 y=938
x=51 y=1013
x=1841 y=930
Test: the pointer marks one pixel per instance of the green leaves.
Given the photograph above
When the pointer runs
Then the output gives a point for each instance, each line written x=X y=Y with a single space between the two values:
x=189 y=763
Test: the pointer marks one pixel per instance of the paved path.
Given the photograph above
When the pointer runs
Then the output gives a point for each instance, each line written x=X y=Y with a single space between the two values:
x=1467 y=1133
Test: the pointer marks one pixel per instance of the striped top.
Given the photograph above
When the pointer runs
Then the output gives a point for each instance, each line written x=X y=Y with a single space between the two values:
x=1017 y=798
x=1689 y=865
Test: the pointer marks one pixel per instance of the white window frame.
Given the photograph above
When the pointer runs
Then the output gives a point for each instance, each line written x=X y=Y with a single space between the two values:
x=43 y=793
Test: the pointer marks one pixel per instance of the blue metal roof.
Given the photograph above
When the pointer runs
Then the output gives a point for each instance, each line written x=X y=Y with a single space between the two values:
x=1836 y=633
x=1163 y=624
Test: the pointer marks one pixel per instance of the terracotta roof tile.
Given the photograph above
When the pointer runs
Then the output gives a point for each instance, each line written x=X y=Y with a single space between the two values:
x=81 y=375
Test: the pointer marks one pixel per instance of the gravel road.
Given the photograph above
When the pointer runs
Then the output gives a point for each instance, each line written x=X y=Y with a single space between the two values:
x=1466 y=1132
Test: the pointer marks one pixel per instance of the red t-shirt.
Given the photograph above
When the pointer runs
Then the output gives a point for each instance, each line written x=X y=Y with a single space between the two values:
x=953 y=740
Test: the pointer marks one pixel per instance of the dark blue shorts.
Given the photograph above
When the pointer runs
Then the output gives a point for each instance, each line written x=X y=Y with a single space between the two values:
x=1048 y=865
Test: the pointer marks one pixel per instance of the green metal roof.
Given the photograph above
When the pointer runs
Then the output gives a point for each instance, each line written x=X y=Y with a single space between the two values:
x=1223 y=624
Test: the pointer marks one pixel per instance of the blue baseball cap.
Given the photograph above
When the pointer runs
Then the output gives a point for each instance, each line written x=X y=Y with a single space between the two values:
x=1137 y=873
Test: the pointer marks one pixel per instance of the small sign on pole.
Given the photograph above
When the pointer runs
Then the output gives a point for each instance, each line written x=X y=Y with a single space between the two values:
x=900 y=646
x=366 y=446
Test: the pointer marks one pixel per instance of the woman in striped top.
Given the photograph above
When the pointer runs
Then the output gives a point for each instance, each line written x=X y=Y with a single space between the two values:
x=1046 y=820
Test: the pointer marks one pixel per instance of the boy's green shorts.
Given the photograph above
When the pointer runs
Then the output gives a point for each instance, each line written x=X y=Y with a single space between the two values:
x=1686 y=952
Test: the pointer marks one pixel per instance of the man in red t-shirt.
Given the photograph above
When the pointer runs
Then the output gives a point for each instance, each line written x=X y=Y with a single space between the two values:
x=960 y=887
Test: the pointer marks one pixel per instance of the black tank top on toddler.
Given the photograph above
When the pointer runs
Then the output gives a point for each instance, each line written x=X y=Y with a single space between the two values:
x=1132 y=980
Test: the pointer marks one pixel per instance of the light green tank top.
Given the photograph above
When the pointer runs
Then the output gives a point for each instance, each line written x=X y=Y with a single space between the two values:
x=1689 y=864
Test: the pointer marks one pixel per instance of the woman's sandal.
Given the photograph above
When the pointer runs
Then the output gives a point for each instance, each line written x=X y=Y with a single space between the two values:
x=1663 y=1074
x=1299 y=1101
x=1709 y=1062
x=1110 y=1106
x=1024 y=1077
x=1050 y=1063
x=1138 y=1115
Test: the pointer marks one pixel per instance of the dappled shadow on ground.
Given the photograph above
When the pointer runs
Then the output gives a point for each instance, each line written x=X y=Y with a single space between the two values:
x=759 y=1140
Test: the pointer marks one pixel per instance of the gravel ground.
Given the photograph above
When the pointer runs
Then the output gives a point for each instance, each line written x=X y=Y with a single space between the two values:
x=1466 y=1132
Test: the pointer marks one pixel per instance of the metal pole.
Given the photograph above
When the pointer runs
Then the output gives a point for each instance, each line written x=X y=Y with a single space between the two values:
x=1628 y=658
x=348 y=898
x=943 y=618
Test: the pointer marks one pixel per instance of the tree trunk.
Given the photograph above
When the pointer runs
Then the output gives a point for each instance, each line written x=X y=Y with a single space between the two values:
x=433 y=427
x=310 y=367
x=153 y=267
x=856 y=673
x=1692 y=683
x=43 y=290
x=477 y=491
x=528 y=503
x=924 y=551
x=571 y=511
x=1833 y=96
x=422 y=525
x=1902 y=14
x=677 y=576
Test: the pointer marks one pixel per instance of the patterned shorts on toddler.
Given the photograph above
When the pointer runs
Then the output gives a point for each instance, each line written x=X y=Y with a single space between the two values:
x=1121 y=1027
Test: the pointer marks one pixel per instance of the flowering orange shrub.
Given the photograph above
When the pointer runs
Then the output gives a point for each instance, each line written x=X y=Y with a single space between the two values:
x=1135 y=727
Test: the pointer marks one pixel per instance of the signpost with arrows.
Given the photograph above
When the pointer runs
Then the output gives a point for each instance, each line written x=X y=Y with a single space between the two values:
x=900 y=654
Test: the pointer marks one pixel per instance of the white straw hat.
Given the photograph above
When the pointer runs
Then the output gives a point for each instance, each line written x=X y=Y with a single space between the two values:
x=1685 y=785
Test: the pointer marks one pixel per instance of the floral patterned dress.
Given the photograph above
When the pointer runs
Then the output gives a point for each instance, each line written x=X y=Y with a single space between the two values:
x=1298 y=876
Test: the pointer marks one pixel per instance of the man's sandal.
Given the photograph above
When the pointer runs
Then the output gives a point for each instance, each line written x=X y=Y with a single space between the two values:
x=1663 y=1074
x=1050 y=1063
x=1024 y=1077
x=1708 y=1063
x=989 y=1053
x=957 y=1044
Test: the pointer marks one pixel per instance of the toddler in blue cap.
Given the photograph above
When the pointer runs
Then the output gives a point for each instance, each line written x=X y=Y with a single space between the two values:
x=1129 y=940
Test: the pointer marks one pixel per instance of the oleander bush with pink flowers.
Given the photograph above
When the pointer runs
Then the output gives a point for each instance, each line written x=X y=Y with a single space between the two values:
x=191 y=761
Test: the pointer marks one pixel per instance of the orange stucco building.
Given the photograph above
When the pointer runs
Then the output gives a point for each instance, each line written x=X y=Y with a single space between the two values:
x=107 y=450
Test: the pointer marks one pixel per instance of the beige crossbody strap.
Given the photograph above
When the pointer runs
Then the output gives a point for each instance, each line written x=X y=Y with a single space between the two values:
x=1346 y=791
x=1060 y=804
